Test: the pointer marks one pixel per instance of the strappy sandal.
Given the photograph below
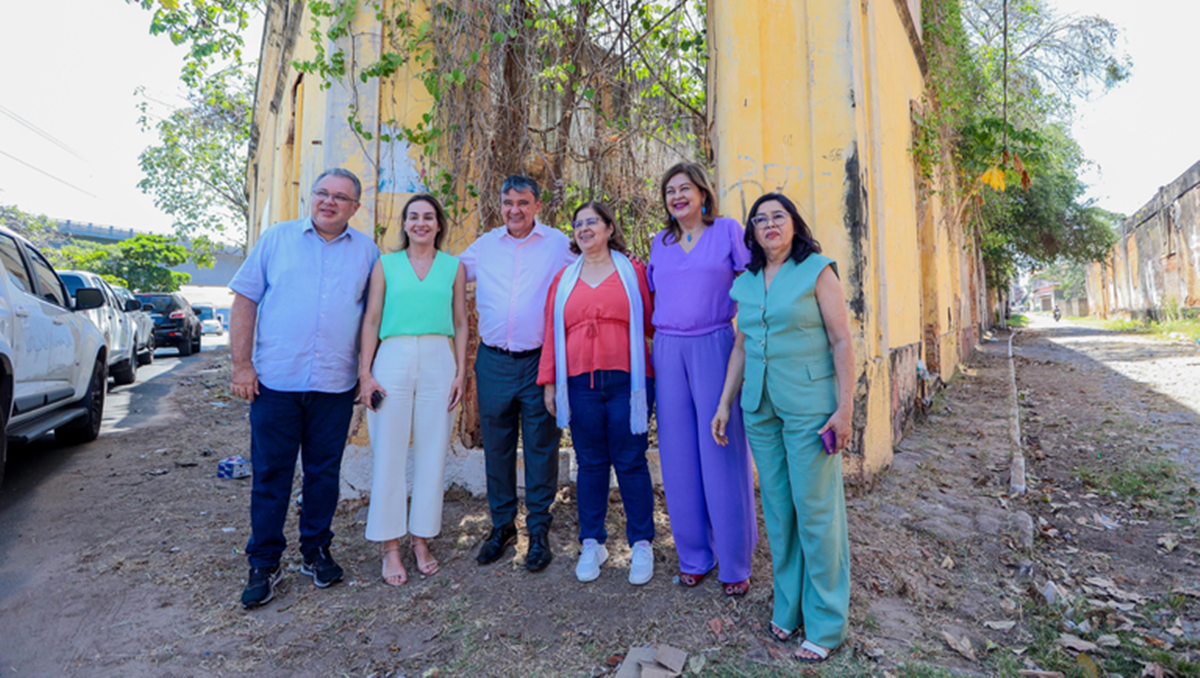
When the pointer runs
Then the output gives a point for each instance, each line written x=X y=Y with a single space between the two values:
x=779 y=634
x=691 y=581
x=429 y=567
x=820 y=653
x=738 y=588
x=390 y=577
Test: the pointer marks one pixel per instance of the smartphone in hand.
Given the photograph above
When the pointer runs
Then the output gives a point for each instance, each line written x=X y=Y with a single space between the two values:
x=829 y=438
x=376 y=399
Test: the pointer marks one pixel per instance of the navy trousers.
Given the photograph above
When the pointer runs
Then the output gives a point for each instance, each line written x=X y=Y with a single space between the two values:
x=510 y=400
x=603 y=441
x=282 y=425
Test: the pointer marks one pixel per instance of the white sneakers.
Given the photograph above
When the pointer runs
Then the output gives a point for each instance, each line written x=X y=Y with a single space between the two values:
x=641 y=563
x=591 y=557
x=593 y=554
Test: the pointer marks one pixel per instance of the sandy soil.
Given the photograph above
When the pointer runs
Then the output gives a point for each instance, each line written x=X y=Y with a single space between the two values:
x=124 y=557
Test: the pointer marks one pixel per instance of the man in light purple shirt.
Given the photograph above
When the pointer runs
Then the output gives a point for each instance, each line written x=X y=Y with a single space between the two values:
x=512 y=267
x=297 y=310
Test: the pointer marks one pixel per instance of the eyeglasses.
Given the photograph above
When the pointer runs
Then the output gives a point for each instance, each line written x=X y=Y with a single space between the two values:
x=339 y=198
x=762 y=220
x=590 y=222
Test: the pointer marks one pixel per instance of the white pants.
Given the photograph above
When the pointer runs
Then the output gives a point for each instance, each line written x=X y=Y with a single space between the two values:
x=417 y=373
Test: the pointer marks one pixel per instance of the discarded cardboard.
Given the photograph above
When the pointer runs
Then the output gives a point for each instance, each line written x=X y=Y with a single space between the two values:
x=631 y=667
x=672 y=658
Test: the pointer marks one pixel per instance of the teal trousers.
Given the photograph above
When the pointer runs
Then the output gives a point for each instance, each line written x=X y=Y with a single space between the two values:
x=804 y=507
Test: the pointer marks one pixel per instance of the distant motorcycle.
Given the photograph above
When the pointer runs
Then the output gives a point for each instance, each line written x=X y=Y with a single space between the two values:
x=1057 y=314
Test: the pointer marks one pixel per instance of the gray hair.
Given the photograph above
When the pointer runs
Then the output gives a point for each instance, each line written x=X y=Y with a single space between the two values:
x=521 y=183
x=345 y=174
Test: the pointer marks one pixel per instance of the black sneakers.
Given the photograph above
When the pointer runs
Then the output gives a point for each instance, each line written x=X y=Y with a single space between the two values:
x=322 y=569
x=260 y=586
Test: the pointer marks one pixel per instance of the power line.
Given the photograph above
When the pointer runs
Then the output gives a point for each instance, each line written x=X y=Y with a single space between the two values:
x=49 y=175
x=44 y=134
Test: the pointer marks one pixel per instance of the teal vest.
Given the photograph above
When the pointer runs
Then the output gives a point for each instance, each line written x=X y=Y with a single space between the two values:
x=787 y=349
x=412 y=307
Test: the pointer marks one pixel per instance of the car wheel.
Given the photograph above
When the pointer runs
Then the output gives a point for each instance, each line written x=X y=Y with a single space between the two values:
x=126 y=373
x=3 y=442
x=147 y=357
x=196 y=343
x=87 y=428
x=185 y=347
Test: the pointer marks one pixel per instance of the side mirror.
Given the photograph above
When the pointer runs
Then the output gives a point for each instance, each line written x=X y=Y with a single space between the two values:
x=133 y=305
x=88 y=298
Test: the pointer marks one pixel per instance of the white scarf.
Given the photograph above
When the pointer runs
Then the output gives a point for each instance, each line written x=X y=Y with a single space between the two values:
x=638 y=410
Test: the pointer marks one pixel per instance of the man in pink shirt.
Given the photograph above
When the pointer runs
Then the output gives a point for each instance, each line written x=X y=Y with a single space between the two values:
x=512 y=267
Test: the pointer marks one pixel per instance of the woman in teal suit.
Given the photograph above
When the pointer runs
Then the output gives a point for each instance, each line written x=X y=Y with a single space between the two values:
x=793 y=339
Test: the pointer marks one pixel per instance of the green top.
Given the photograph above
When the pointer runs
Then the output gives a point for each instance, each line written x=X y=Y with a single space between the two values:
x=787 y=348
x=412 y=307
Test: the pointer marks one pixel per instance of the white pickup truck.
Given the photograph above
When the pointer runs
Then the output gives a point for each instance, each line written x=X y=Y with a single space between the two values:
x=53 y=360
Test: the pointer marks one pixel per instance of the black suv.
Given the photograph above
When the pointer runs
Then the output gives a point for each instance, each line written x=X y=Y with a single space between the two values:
x=175 y=322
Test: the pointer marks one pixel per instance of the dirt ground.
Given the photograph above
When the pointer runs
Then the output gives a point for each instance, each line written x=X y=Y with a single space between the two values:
x=124 y=557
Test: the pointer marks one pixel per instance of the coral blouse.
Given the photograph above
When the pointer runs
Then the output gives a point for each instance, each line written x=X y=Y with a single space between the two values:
x=596 y=320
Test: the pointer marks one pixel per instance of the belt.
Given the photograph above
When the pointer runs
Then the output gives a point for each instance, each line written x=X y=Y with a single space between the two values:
x=513 y=354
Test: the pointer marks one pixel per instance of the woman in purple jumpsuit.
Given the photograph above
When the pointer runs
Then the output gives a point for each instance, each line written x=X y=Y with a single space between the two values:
x=710 y=489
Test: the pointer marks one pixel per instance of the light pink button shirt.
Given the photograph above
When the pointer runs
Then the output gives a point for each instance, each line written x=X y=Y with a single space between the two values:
x=512 y=278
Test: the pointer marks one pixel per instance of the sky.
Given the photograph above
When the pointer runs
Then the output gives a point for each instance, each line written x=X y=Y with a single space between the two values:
x=76 y=84
x=71 y=73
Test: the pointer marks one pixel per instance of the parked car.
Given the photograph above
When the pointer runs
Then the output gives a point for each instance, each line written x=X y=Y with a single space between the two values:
x=175 y=323
x=53 y=360
x=143 y=324
x=119 y=330
x=210 y=322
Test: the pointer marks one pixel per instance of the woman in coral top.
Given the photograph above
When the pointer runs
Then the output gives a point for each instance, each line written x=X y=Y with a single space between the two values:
x=596 y=370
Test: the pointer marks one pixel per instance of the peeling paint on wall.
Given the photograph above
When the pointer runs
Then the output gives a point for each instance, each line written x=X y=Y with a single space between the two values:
x=397 y=171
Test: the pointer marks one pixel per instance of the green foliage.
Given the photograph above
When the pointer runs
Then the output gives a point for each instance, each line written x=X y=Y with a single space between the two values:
x=212 y=30
x=144 y=260
x=1003 y=156
x=197 y=172
x=36 y=228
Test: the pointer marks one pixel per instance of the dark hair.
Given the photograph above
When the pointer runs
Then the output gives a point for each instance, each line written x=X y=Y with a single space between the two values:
x=698 y=177
x=803 y=243
x=519 y=183
x=616 y=241
x=345 y=174
x=437 y=210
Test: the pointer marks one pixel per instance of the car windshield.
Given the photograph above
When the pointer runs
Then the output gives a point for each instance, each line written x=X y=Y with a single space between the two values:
x=160 y=302
x=73 y=282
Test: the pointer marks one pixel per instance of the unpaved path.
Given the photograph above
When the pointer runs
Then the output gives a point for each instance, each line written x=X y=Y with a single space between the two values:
x=110 y=567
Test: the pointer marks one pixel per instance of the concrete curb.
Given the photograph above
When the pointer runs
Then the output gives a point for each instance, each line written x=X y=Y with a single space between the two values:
x=1016 y=480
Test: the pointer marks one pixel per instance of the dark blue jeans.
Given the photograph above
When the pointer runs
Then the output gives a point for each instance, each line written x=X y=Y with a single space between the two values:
x=282 y=424
x=600 y=432
x=511 y=400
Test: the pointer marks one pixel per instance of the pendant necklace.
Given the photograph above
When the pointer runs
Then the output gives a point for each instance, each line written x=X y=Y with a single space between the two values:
x=689 y=237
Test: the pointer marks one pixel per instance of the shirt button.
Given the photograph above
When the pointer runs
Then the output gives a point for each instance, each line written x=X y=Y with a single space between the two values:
x=764 y=361
x=762 y=308
x=762 y=343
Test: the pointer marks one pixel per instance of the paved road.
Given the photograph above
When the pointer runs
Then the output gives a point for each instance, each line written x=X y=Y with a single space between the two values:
x=126 y=407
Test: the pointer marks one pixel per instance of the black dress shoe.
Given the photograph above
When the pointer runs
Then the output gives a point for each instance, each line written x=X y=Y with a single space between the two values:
x=539 y=552
x=497 y=540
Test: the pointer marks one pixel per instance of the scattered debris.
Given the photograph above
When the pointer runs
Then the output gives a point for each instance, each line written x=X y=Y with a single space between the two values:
x=960 y=645
x=1073 y=643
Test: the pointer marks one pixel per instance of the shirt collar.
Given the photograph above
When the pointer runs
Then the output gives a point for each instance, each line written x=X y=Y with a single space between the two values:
x=310 y=228
x=539 y=229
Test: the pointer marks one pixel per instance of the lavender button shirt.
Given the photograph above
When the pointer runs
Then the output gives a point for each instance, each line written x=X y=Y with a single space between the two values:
x=310 y=295
x=692 y=288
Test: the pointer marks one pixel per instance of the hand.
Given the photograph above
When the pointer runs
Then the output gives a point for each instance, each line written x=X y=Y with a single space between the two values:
x=456 y=393
x=719 y=420
x=367 y=386
x=549 y=395
x=244 y=382
x=840 y=423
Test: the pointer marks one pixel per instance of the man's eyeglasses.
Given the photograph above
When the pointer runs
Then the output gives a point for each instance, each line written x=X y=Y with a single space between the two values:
x=590 y=222
x=762 y=220
x=339 y=198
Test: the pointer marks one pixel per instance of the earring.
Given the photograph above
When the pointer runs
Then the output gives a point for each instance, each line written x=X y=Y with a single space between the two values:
x=704 y=209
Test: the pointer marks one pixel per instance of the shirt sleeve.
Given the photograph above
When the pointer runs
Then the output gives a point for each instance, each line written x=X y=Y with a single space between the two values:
x=251 y=279
x=468 y=258
x=547 y=364
x=737 y=246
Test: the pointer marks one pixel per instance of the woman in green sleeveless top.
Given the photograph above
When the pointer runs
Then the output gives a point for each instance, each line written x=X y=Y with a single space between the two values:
x=793 y=338
x=411 y=378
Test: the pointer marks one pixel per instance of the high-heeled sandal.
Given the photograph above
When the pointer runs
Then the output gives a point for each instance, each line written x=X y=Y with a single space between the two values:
x=429 y=567
x=389 y=577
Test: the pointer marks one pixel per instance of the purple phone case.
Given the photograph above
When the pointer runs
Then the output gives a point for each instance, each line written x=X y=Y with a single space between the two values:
x=830 y=440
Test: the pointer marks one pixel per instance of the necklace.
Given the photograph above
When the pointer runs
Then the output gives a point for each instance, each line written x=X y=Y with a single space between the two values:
x=689 y=237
